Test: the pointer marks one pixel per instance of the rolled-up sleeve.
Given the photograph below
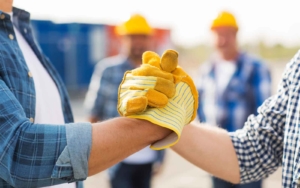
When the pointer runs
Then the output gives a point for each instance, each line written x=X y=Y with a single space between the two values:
x=37 y=155
x=72 y=164
x=259 y=145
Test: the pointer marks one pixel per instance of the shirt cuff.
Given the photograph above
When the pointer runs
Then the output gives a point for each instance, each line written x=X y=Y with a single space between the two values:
x=244 y=158
x=79 y=141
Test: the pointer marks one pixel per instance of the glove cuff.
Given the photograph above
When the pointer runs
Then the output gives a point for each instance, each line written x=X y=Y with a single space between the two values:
x=172 y=117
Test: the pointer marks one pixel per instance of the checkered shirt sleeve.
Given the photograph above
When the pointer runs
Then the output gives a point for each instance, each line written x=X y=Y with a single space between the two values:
x=260 y=144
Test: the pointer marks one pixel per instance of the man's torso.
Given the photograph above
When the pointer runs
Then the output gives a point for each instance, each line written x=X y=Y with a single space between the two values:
x=28 y=74
x=228 y=106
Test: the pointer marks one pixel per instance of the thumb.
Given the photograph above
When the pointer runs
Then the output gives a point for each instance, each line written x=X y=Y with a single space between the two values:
x=169 y=60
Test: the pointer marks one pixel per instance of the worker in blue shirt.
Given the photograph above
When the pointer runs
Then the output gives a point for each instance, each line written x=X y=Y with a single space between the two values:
x=233 y=84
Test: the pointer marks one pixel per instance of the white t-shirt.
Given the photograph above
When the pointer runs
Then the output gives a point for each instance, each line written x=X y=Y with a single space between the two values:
x=143 y=156
x=48 y=108
x=224 y=72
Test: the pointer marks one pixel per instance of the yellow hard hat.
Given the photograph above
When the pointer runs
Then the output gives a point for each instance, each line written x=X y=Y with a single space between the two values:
x=136 y=24
x=224 y=19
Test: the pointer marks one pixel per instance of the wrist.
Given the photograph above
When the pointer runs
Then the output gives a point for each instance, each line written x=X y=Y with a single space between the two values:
x=151 y=131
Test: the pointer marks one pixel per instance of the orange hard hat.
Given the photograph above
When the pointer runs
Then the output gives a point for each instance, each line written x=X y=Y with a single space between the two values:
x=224 y=19
x=136 y=24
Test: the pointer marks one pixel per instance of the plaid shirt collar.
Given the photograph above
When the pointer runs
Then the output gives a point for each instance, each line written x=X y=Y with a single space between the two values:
x=22 y=22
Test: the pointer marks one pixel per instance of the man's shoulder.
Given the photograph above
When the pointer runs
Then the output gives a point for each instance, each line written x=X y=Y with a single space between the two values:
x=113 y=61
x=110 y=64
x=294 y=64
x=253 y=60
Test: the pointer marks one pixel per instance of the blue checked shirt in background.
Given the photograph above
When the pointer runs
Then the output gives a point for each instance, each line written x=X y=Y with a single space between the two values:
x=34 y=155
x=248 y=87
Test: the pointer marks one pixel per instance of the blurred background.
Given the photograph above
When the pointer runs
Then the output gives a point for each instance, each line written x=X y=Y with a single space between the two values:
x=75 y=35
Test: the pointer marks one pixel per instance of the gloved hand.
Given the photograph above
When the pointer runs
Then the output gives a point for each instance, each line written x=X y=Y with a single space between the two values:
x=161 y=92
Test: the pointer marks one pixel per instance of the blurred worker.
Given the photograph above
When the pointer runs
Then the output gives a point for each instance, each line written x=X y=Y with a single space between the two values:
x=102 y=99
x=233 y=85
x=39 y=144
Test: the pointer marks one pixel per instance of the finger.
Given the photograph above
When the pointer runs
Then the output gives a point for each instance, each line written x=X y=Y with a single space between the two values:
x=132 y=101
x=143 y=82
x=151 y=58
x=162 y=85
x=136 y=105
x=148 y=70
x=166 y=87
x=169 y=60
x=156 y=99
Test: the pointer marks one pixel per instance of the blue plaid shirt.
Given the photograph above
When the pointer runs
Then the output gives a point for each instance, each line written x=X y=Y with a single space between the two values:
x=271 y=138
x=34 y=155
x=248 y=87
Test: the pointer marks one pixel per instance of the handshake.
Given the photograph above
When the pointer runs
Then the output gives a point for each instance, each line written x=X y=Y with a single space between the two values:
x=159 y=91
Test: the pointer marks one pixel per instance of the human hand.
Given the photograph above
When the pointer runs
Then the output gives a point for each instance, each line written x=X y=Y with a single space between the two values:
x=161 y=92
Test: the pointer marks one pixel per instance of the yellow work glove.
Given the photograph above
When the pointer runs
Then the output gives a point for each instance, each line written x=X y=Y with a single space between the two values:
x=161 y=92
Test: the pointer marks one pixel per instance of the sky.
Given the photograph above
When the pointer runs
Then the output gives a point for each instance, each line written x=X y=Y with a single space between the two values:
x=273 y=21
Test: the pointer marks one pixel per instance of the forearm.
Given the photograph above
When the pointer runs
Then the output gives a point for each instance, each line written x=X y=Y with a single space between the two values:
x=211 y=149
x=114 y=140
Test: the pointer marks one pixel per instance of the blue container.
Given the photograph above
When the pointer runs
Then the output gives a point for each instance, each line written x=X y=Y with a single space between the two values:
x=73 y=48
